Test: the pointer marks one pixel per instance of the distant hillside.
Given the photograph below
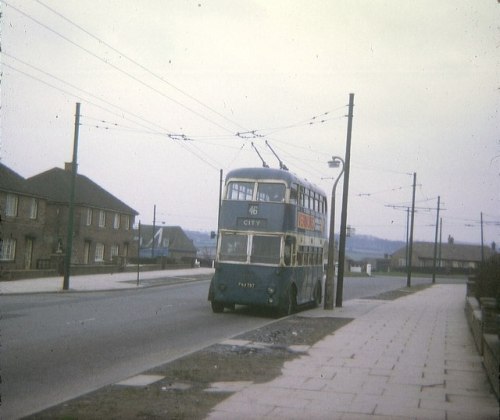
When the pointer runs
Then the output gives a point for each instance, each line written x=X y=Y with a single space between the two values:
x=358 y=247
x=203 y=242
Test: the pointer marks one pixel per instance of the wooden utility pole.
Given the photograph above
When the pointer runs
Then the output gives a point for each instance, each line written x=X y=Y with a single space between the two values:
x=410 y=247
x=482 y=240
x=154 y=228
x=343 y=217
x=71 y=210
x=139 y=253
x=436 y=243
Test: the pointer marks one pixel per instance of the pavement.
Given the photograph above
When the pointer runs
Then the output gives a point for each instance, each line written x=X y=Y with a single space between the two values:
x=409 y=358
x=98 y=282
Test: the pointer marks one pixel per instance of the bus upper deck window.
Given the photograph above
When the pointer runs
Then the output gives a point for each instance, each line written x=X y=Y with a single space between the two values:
x=271 y=192
x=242 y=191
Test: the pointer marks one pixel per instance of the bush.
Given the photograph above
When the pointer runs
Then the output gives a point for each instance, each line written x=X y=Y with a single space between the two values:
x=488 y=278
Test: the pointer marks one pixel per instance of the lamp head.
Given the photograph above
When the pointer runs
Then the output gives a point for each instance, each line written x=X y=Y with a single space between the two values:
x=334 y=163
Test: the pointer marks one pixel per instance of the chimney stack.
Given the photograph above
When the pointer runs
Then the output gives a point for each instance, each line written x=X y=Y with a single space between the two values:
x=68 y=166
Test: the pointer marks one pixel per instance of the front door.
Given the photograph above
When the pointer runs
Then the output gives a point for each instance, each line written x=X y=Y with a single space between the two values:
x=86 y=252
x=28 y=253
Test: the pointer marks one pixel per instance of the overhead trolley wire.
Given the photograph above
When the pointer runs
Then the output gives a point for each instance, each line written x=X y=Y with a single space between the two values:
x=169 y=135
x=116 y=67
x=123 y=110
x=120 y=53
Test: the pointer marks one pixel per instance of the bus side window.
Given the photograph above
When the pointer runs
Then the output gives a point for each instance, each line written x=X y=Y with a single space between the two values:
x=300 y=255
x=289 y=250
x=294 y=194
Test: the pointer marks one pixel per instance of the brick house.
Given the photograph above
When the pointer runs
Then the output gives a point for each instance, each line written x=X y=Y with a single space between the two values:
x=22 y=222
x=454 y=257
x=103 y=225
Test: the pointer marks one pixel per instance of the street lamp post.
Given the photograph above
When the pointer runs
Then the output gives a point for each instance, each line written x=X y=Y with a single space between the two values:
x=330 y=270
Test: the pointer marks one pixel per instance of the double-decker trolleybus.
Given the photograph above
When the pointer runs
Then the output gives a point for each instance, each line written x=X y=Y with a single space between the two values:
x=272 y=235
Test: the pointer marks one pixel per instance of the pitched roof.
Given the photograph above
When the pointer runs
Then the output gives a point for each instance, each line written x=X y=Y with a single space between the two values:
x=454 y=252
x=177 y=239
x=10 y=181
x=55 y=185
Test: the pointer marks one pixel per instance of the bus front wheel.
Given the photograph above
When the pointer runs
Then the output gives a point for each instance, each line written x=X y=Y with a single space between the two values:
x=289 y=304
x=217 y=307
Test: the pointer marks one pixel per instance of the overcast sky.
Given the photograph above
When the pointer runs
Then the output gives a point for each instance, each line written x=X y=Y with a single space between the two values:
x=173 y=91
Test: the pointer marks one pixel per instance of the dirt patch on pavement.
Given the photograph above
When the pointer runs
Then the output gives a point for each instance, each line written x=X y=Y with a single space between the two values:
x=186 y=391
x=189 y=387
x=397 y=293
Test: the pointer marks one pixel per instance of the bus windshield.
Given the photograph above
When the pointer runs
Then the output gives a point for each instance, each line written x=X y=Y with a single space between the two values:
x=233 y=247
x=264 y=249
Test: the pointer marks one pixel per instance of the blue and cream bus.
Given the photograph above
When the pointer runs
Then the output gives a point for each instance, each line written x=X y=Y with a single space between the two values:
x=272 y=237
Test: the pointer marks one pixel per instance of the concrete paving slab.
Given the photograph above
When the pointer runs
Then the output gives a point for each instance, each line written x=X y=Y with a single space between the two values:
x=409 y=358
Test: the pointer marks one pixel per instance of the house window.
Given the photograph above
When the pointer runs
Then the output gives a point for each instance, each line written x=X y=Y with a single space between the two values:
x=99 y=252
x=126 y=221
x=34 y=209
x=88 y=222
x=11 y=207
x=8 y=249
x=114 y=250
x=116 y=222
x=102 y=218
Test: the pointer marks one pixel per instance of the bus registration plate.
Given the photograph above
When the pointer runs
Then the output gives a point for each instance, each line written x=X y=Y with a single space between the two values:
x=246 y=285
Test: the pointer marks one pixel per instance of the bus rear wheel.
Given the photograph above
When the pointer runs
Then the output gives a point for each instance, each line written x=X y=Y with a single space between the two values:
x=317 y=294
x=217 y=307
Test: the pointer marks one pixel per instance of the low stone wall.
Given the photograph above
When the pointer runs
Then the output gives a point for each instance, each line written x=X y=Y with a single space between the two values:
x=488 y=345
x=491 y=360
x=474 y=318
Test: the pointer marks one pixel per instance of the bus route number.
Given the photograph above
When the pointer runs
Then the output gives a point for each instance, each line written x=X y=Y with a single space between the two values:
x=253 y=210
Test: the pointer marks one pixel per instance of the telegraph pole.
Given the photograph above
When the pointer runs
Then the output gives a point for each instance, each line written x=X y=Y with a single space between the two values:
x=71 y=211
x=436 y=243
x=138 y=253
x=221 y=177
x=410 y=249
x=343 y=217
x=482 y=240
x=154 y=228
x=407 y=236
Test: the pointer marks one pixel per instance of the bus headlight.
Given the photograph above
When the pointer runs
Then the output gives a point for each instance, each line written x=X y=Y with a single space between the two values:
x=271 y=290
